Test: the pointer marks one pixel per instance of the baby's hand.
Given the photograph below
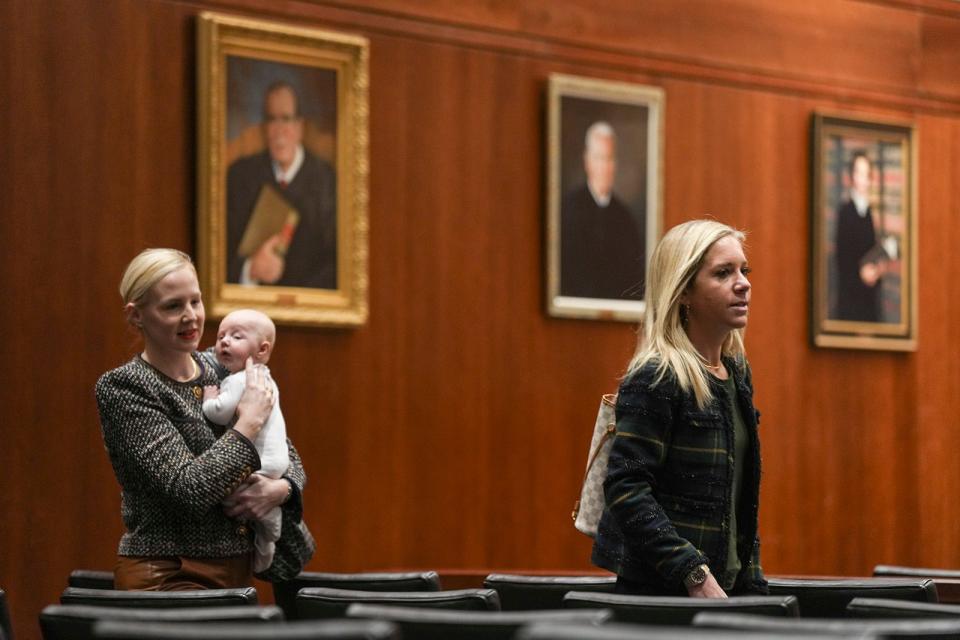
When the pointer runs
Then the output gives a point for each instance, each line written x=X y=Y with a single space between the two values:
x=211 y=392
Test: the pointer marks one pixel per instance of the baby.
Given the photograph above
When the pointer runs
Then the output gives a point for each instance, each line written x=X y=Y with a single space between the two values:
x=242 y=334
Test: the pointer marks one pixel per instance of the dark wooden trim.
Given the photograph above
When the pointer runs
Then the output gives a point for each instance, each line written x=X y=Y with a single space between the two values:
x=610 y=59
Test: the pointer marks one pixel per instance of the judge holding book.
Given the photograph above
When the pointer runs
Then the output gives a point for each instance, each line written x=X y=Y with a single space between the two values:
x=860 y=260
x=281 y=205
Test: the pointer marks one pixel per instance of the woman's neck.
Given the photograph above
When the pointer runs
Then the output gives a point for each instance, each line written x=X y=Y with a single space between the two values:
x=710 y=348
x=178 y=366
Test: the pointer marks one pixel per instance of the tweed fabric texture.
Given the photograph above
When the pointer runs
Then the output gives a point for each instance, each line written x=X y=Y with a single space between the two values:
x=174 y=466
x=669 y=483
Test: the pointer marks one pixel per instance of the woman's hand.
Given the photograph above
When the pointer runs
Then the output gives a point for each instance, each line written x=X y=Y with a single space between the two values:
x=256 y=497
x=710 y=588
x=257 y=401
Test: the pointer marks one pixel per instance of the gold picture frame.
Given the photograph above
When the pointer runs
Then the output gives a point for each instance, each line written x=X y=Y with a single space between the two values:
x=864 y=210
x=604 y=195
x=275 y=102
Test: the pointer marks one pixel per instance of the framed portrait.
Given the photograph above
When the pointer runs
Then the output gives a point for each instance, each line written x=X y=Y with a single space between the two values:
x=282 y=170
x=864 y=233
x=604 y=194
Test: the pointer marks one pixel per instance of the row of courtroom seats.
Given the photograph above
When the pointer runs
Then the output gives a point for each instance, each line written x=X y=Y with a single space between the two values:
x=319 y=603
x=817 y=598
x=413 y=622
x=418 y=624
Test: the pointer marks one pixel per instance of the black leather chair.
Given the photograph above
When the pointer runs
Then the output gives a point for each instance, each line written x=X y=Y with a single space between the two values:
x=434 y=624
x=665 y=610
x=896 y=571
x=829 y=598
x=6 y=628
x=160 y=599
x=883 y=608
x=789 y=626
x=307 y=630
x=525 y=593
x=285 y=593
x=75 y=621
x=623 y=631
x=315 y=604
x=90 y=579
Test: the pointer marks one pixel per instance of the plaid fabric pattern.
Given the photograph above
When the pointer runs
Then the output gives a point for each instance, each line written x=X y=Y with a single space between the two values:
x=174 y=466
x=669 y=481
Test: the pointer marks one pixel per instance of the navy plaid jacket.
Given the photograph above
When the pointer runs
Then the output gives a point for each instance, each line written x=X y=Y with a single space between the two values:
x=669 y=482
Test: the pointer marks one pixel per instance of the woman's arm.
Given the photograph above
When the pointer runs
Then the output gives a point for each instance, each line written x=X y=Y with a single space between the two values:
x=149 y=452
x=256 y=403
x=644 y=424
x=259 y=494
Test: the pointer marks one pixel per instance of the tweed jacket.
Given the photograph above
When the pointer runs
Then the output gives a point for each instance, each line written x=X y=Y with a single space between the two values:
x=669 y=482
x=174 y=466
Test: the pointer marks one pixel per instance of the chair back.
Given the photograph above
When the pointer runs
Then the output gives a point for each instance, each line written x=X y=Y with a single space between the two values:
x=829 y=598
x=435 y=624
x=308 y=630
x=285 y=593
x=160 y=599
x=90 y=579
x=897 y=571
x=76 y=621
x=623 y=631
x=526 y=593
x=6 y=627
x=669 y=610
x=787 y=627
x=314 y=604
x=884 y=608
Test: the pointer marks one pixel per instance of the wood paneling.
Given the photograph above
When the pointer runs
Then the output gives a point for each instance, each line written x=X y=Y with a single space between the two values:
x=450 y=431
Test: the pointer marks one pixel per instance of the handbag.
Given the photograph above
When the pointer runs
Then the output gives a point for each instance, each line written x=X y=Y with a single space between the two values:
x=588 y=509
x=293 y=550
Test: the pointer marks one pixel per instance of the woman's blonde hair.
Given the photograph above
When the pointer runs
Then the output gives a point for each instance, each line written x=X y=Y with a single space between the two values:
x=673 y=266
x=147 y=269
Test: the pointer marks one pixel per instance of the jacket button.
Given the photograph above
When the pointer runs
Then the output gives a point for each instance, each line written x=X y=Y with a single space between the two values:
x=241 y=530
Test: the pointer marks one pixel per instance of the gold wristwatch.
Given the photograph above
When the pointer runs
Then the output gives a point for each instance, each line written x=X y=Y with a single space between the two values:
x=696 y=577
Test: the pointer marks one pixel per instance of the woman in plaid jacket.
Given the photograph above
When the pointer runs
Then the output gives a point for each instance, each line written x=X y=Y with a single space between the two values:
x=683 y=480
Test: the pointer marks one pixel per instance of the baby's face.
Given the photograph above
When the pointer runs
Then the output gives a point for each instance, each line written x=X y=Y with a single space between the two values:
x=237 y=339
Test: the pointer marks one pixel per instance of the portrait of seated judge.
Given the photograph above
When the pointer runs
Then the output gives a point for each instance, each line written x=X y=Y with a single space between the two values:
x=863 y=254
x=601 y=242
x=282 y=202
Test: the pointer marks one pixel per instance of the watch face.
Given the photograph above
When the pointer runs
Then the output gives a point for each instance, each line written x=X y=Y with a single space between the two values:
x=696 y=577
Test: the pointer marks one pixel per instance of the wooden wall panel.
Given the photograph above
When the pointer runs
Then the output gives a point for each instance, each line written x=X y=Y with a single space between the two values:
x=450 y=430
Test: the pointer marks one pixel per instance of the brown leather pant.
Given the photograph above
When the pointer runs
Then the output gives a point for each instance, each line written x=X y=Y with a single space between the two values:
x=175 y=573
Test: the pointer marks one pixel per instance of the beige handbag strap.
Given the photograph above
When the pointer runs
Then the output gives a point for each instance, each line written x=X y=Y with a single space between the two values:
x=609 y=433
x=609 y=399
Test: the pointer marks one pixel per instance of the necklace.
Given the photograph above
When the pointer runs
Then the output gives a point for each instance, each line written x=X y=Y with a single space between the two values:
x=192 y=376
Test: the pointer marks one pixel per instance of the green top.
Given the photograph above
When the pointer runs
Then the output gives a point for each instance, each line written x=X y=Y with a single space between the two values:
x=740 y=438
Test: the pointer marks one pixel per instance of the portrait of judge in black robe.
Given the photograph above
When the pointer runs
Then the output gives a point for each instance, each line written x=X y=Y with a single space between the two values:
x=601 y=244
x=304 y=252
x=858 y=258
